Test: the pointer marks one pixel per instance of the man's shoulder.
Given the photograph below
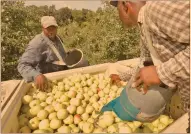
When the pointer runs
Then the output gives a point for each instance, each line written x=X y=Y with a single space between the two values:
x=37 y=41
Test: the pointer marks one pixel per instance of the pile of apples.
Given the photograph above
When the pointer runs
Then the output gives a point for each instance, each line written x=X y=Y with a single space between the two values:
x=72 y=105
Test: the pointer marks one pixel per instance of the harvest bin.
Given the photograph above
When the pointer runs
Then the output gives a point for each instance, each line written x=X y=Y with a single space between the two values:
x=9 y=113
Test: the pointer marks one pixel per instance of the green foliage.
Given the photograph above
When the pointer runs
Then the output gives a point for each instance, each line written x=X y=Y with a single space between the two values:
x=99 y=34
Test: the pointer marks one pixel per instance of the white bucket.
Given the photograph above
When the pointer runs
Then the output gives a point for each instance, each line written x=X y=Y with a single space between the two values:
x=75 y=58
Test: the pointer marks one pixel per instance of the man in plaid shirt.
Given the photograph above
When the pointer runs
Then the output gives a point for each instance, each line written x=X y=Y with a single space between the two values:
x=169 y=27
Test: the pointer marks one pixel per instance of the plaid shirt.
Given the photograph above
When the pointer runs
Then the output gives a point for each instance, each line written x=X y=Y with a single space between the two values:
x=169 y=27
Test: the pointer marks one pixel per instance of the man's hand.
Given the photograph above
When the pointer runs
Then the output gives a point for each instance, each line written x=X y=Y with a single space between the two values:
x=41 y=82
x=147 y=76
x=115 y=79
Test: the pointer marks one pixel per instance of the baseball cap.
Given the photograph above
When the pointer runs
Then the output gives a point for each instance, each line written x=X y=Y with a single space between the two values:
x=47 y=21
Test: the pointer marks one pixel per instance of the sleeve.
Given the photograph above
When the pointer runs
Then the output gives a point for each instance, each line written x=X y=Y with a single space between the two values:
x=29 y=60
x=175 y=69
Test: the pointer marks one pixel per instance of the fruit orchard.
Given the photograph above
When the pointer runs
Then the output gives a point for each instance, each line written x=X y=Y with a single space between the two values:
x=99 y=34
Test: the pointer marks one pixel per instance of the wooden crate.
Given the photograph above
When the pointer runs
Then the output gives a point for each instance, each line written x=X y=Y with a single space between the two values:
x=9 y=119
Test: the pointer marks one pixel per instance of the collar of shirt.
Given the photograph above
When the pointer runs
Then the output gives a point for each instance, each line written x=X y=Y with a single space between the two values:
x=141 y=16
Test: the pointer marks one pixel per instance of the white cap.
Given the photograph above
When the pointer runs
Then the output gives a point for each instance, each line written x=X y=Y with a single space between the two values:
x=47 y=21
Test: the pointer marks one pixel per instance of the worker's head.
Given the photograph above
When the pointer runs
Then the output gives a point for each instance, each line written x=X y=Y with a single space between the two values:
x=128 y=11
x=49 y=26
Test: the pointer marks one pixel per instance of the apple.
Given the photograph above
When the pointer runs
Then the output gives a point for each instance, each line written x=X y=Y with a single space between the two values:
x=84 y=104
x=66 y=103
x=112 y=129
x=112 y=94
x=34 y=103
x=71 y=83
x=49 y=100
x=34 y=110
x=58 y=106
x=114 y=88
x=29 y=115
x=89 y=109
x=85 y=116
x=137 y=123
x=25 y=129
x=52 y=116
x=72 y=94
x=147 y=130
x=80 y=110
x=27 y=99
x=62 y=114
x=44 y=124
x=102 y=124
x=49 y=94
x=77 y=119
x=93 y=99
x=60 y=84
x=88 y=127
x=86 y=97
x=95 y=114
x=64 y=129
x=155 y=122
x=106 y=90
x=93 y=86
x=164 y=119
x=23 y=121
x=61 y=88
x=42 y=96
x=54 y=103
x=71 y=109
x=89 y=82
x=106 y=120
x=69 y=119
x=83 y=83
x=78 y=85
x=80 y=96
x=49 y=130
x=55 y=123
x=54 y=82
x=125 y=129
x=96 y=106
x=98 y=130
x=101 y=85
x=75 y=101
x=67 y=87
x=75 y=130
x=72 y=126
x=22 y=116
x=86 y=89
x=90 y=120
x=25 y=108
x=117 y=119
x=43 y=104
x=33 y=123
x=42 y=114
x=80 y=125
x=90 y=93
x=101 y=94
x=96 y=96
x=58 y=94
x=49 y=108
x=161 y=126
x=41 y=131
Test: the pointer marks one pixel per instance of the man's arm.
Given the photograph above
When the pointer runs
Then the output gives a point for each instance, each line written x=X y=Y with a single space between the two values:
x=175 y=69
x=29 y=60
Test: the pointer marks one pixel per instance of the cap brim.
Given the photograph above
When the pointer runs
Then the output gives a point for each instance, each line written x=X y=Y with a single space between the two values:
x=48 y=25
x=114 y=3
